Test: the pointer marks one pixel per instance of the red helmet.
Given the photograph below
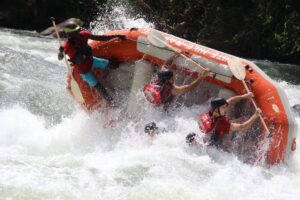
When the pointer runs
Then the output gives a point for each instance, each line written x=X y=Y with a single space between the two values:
x=152 y=94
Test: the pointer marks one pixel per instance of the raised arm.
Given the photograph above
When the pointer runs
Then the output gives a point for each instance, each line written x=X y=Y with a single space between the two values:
x=186 y=88
x=247 y=124
x=235 y=99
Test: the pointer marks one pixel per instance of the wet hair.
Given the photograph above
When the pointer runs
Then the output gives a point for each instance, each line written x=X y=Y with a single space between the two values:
x=217 y=102
x=150 y=127
x=190 y=138
x=164 y=75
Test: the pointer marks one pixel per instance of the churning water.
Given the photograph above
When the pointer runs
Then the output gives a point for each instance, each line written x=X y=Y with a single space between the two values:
x=50 y=149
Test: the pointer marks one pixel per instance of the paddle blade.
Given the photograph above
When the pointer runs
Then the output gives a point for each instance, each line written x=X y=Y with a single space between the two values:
x=157 y=39
x=76 y=91
x=237 y=68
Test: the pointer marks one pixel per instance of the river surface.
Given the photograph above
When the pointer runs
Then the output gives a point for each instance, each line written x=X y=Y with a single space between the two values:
x=50 y=148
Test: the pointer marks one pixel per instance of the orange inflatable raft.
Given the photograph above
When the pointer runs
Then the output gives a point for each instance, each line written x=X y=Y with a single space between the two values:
x=157 y=47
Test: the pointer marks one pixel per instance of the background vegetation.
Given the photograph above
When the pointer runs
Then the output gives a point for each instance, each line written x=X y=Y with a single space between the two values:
x=261 y=29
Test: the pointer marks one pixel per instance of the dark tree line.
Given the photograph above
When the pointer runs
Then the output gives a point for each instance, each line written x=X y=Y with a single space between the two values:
x=262 y=29
x=35 y=14
x=250 y=28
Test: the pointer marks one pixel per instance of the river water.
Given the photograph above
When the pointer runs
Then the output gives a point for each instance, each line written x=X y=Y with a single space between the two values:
x=50 y=149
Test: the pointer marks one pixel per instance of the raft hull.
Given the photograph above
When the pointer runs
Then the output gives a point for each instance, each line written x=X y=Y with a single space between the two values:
x=269 y=97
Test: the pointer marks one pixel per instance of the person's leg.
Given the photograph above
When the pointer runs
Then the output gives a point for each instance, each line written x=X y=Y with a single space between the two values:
x=93 y=82
x=103 y=92
x=89 y=78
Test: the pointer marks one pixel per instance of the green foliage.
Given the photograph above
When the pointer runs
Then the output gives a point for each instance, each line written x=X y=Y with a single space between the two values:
x=35 y=14
x=250 y=28
x=262 y=29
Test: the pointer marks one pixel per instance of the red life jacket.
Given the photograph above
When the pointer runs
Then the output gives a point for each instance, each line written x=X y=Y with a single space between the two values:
x=79 y=52
x=157 y=94
x=152 y=94
x=209 y=125
x=214 y=127
x=205 y=122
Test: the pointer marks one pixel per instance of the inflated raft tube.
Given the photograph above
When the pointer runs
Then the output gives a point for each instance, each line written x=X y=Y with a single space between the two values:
x=270 y=98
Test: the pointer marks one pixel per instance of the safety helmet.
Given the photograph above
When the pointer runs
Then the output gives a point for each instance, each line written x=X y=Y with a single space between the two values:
x=71 y=27
x=217 y=102
x=190 y=138
x=164 y=75
x=150 y=127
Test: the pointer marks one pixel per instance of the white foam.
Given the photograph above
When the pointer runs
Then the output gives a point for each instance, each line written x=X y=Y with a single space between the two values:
x=77 y=158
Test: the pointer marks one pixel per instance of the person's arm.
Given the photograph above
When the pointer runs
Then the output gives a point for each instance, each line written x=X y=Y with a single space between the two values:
x=186 y=88
x=235 y=99
x=247 y=124
x=106 y=37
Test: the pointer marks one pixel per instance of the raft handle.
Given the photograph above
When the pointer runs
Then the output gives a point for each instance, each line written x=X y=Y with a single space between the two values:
x=133 y=29
x=249 y=68
x=214 y=75
x=250 y=81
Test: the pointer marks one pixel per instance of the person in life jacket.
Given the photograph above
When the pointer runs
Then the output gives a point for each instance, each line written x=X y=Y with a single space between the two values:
x=81 y=58
x=217 y=126
x=163 y=90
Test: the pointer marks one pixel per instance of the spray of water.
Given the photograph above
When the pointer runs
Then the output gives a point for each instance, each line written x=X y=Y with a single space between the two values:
x=50 y=149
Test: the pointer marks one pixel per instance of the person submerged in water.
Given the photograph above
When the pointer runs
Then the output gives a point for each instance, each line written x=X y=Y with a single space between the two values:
x=151 y=129
x=163 y=90
x=192 y=139
x=217 y=127
x=81 y=58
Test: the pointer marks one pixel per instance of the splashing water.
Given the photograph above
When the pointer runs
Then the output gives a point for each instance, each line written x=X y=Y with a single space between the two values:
x=50 y=149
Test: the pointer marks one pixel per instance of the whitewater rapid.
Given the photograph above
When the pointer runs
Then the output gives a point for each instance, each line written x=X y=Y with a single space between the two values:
x=50 y=148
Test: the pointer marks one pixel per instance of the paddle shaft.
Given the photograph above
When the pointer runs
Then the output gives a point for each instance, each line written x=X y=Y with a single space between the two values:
x=73 y=84
x=179 y=52
x=256 y=107
x=238 y=70
x=59 y=42
x=170 y=48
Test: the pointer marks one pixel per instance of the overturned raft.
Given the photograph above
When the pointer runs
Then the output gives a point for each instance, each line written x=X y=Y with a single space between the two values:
x=270 y=98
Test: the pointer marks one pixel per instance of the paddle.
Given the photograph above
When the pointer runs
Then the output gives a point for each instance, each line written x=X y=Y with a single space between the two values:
x=157 y=39
x=238 y=70
x=74 y=86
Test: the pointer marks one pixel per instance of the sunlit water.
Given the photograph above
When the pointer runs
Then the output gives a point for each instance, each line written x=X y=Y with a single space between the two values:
x=50 y=149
